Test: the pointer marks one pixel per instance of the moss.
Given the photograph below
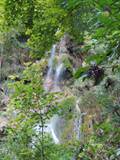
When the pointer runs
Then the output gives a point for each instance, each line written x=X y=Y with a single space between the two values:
x=80 y=71
x=98 y=58
x=66 y=61
x=66 y=106
x=68 y=133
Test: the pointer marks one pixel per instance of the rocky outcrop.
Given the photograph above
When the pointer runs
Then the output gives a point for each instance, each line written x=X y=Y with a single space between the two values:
x=3 y=125
x=69 y=54
x=4 y=99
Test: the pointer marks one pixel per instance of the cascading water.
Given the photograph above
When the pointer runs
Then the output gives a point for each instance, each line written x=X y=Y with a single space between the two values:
x=54 y=76
x=50 y=127
x=57 y=79
x=49 y=78
x=52 y=84
x=78 y=121
x=50 y=64
x=53 y=125
x=59 y=68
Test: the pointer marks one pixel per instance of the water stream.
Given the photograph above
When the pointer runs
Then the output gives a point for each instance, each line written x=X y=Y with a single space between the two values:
x=53 y=128
x=57 y=79
x=52 y=83
x=49 y=78
x=50 y=127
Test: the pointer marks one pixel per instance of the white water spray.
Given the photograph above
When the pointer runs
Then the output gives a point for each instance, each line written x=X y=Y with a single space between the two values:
x=52 y=84
x=57 y=79
x=50 y=127
x=50 y=63
x=49 y=78
x=53 y=125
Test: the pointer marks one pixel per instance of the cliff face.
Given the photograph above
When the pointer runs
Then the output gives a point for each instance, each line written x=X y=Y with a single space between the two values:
x=85 y=111
x=86 y=97
x=3 y=117
x=93 y=81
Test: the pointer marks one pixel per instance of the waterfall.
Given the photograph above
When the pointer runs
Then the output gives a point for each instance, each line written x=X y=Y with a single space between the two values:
x=50 y=63
x=53 y=125
x=78 y=121
x=50 y=127
x=49 y=78
x=54 y=76
x=52 y=84
x=57 y=79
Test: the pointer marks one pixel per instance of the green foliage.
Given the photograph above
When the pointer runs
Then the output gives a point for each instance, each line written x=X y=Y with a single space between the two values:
x=80 y=71
x=19 y=13
x=107 y=24
x=45 y=22
x=97 y=58
x=28 y=101
x=66 y=107
x=66 y=61
x=2 y=14
x=101 y=146
x=12 y=54
x=77 y=17
x=110 y=100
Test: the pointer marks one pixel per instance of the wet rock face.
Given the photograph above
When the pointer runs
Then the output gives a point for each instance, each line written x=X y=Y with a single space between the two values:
x=67 y=74
x=109 y=83
x=45 y=71
x=4 y=99
x=3 y=125
x=59 y=67
x=73 y=50
x=91 y=113
x=23 y=38
x=69 y=45
x=66 y=52
x=97 y=73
